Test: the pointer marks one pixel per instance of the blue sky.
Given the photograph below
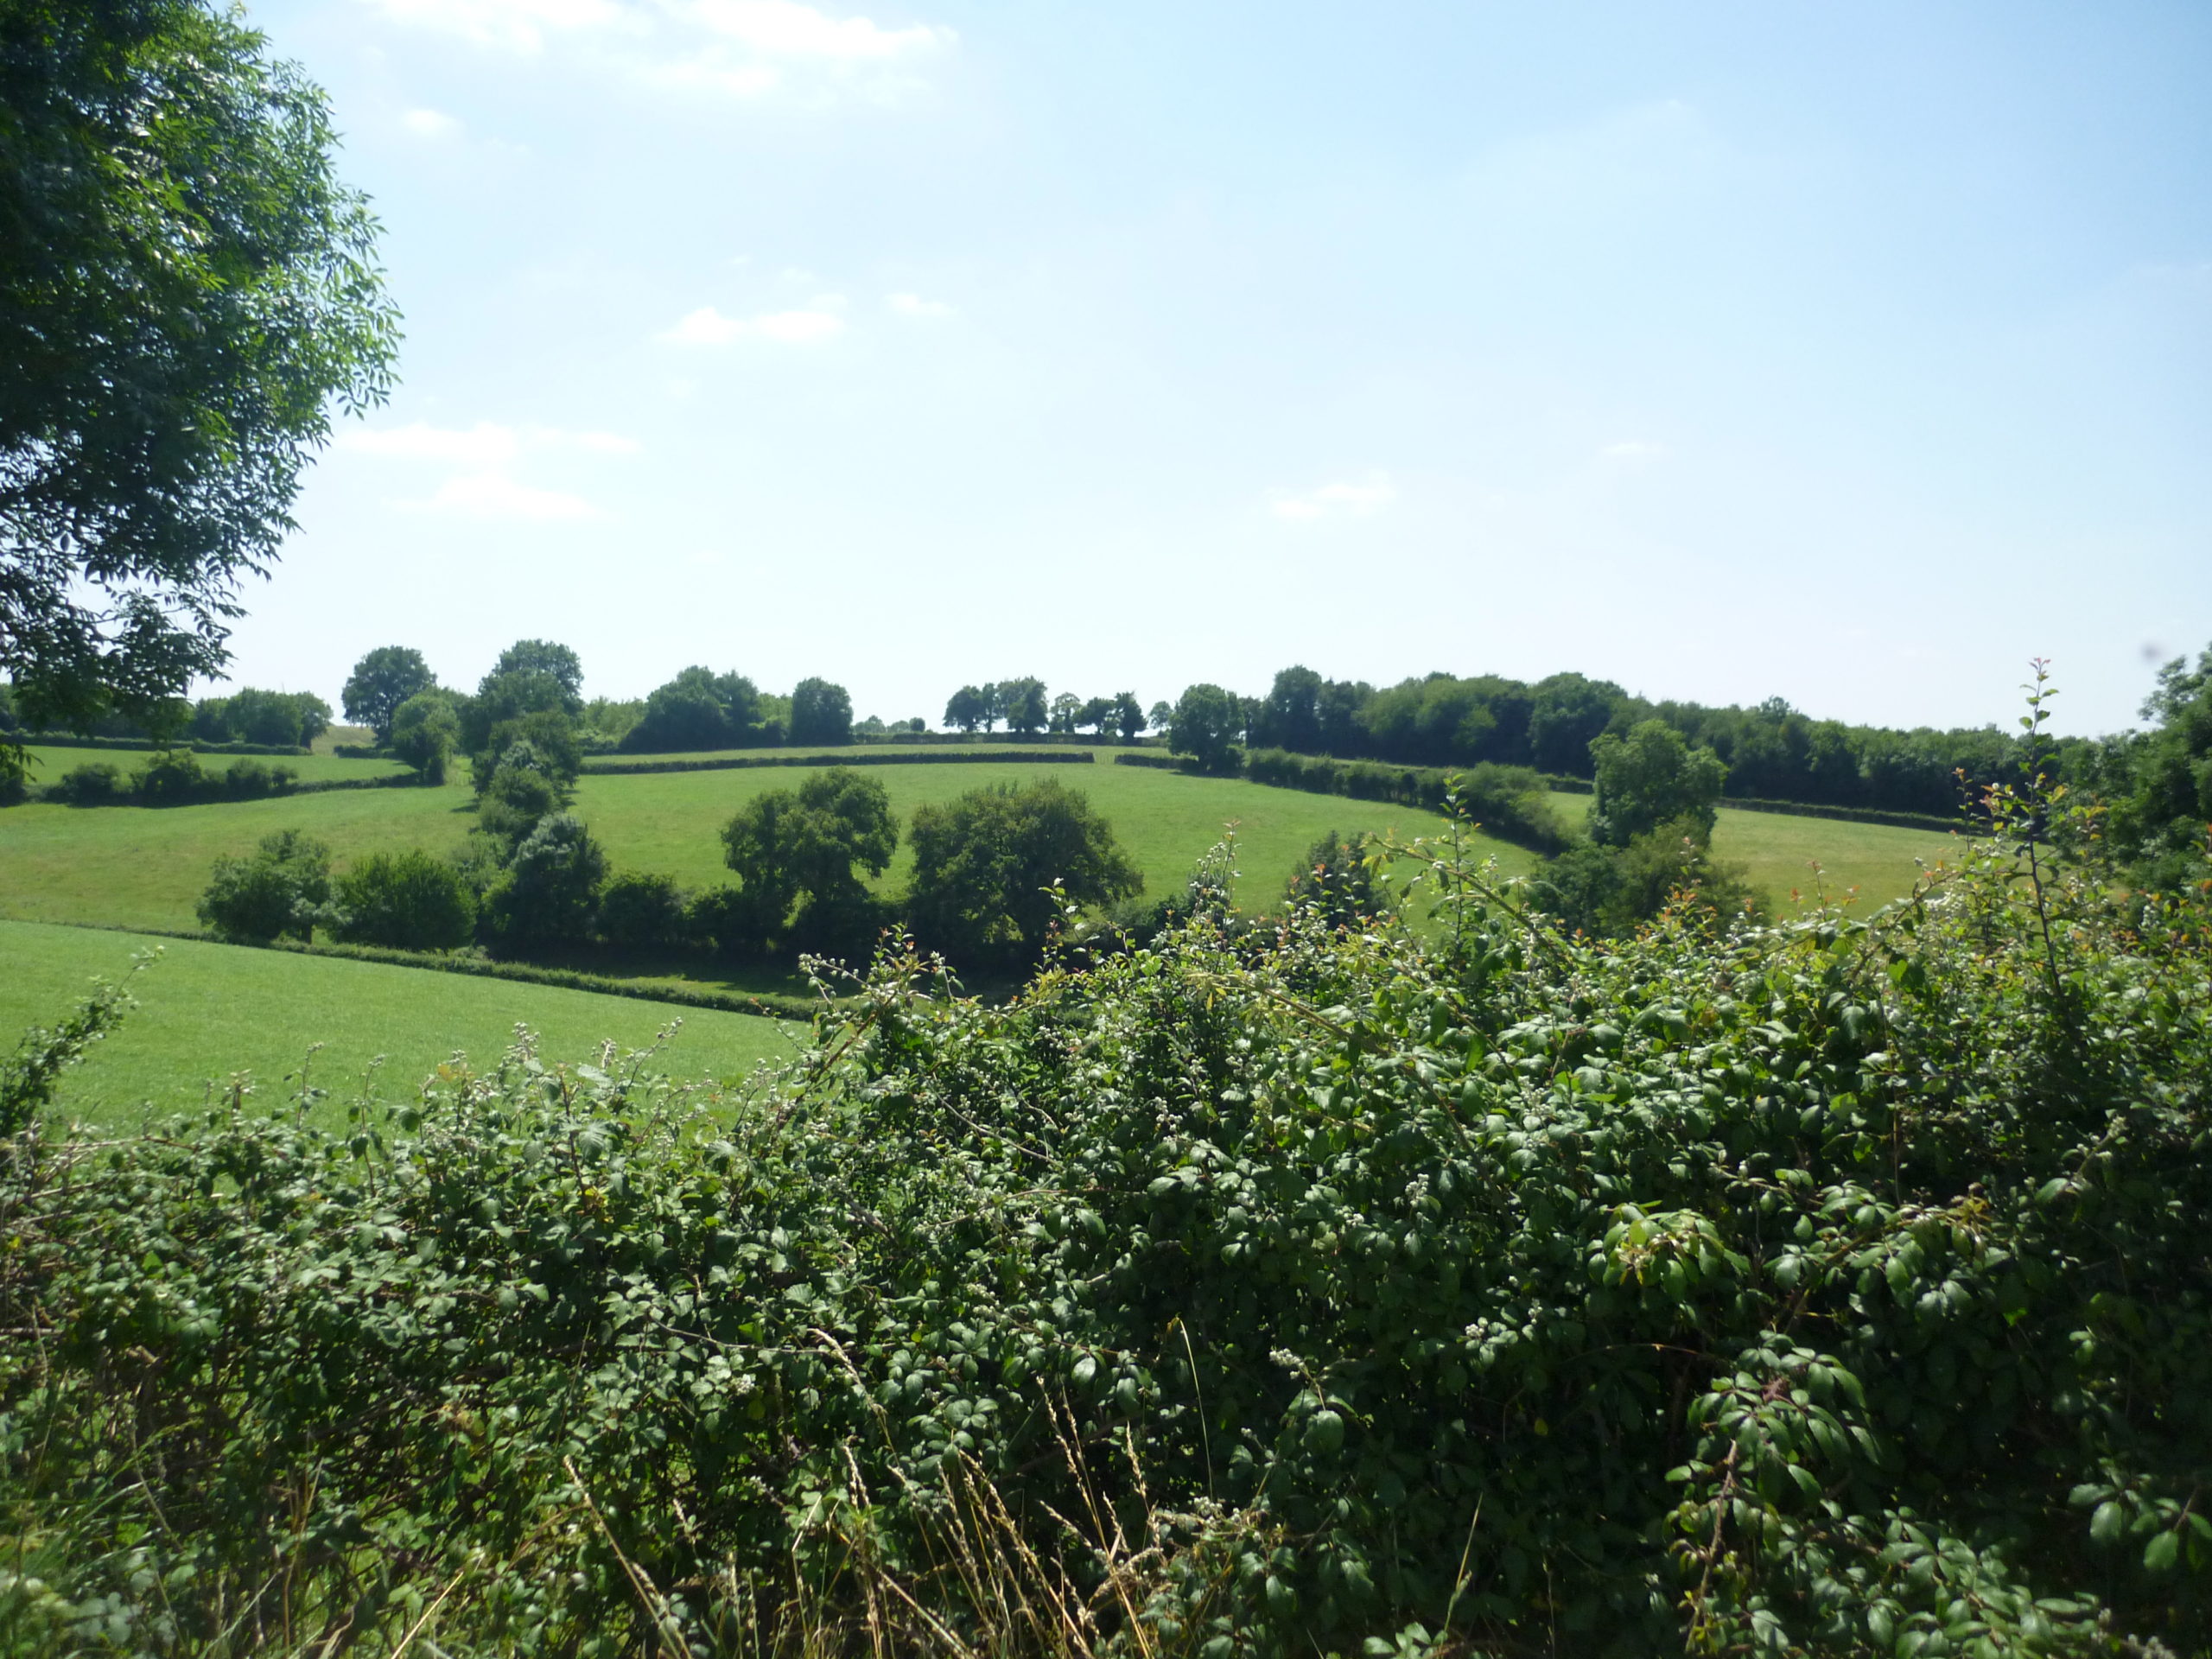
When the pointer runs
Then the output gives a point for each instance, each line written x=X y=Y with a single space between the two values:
x=1849 y=354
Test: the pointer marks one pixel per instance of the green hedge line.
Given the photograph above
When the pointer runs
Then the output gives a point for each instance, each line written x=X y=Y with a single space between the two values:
x=1154 y=757
x=1506 y=801
x=71 y=740
x=742 y=763
x=1856 y=814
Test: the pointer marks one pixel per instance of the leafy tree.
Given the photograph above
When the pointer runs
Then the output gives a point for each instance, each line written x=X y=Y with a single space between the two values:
x=280 y=719
x=547 y=891
x=545 y=742
x=1097 y=713
x=821 y=713
x=380 y=682
x=1065 y=714
x=1650 y=777
x=1128 y=715
x=1160 y=716
x=503 y=697
x=558 y=663
x=184 y=288
x=643 y=910
x=524 y=788
x=2164 y=809
x=1612 y=891
x=283 y=889
x=1021 y=704
x=404 y=901
x=211 y=721
x=1290 y=717
x=1204 y=725
x=987 y=866
x=699 y=710
x=802 y=849
x=967 y=708
x=1566 y=715
x=424 y=732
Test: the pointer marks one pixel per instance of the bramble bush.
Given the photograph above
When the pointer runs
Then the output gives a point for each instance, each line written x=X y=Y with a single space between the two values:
x=1830 y=1288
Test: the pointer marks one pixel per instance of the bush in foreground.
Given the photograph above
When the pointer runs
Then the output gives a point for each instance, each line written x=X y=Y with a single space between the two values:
x=1836 y=1288
x=282 y=890
x=404 y=901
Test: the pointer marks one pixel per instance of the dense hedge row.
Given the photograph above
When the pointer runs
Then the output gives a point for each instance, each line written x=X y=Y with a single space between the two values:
x=71 y=740
x=1508 y=801
x=1834 y=1289
x=600 y=767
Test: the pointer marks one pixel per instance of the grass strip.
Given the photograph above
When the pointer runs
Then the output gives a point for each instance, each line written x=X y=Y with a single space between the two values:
x=765 y=1003
x=599 y=768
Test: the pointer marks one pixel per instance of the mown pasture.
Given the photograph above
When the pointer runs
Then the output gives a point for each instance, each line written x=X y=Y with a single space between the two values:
x=207 y=1010
x=1864 y=865
x=145 y=867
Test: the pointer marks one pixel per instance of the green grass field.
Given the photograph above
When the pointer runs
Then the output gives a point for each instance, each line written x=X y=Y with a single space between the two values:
x=1868 y=864
x=144 y=867
x=49 y=762
x=206 y=1011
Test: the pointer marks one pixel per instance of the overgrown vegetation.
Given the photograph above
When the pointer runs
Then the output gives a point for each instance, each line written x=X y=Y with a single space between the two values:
x=1836 y=1287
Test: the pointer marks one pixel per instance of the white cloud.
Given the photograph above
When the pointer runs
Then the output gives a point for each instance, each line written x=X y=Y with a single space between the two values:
x=708 y=327
x=481 y=460
x=1371 y=496
x=744 y=48
x=483 y=445
x=430 y=124
x=496 y=496
x=913 y=305
x=514 y=25
x=784 y=28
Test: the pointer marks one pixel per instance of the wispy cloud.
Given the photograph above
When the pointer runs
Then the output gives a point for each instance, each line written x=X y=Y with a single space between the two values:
x=809 y=325
x=747 y=49
x=913 y=305
x=494 y=496
x=1372 y=495
x=430 y=124
x=486 y=455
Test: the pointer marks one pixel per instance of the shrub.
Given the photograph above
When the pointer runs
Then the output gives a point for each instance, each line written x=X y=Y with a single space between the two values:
x=171 y=779
x=1334 y=880
x=283 y=889
x=425 y=729
x=643 y=911
x=519 y=796
x=404 y=901
x=1832 y=1289
x=547 y=891
x=96 y=784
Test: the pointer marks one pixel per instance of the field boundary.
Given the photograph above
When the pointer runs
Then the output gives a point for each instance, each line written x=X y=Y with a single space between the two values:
x=1565 y=785
x=766 y=1004
x=596 y=767
x=71 y=740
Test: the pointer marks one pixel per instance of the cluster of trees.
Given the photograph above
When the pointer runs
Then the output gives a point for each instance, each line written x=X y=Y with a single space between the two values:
x=276 y=720
x=1769 y=752
x=1022 y=705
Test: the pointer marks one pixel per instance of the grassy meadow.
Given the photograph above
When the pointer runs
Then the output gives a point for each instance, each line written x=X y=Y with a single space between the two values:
x=145 y=867
x=206 y=1011
x=1866 y=865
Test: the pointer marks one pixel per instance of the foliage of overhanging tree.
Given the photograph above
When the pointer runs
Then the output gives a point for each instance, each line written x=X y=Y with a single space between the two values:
x=185 y=287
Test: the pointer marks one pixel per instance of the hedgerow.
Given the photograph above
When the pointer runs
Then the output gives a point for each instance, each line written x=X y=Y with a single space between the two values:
x=1834 y=1287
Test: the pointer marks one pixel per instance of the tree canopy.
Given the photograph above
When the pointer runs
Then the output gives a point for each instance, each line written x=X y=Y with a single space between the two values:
x=380 y=682
x=185 y=289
